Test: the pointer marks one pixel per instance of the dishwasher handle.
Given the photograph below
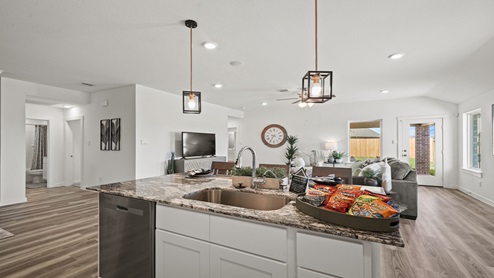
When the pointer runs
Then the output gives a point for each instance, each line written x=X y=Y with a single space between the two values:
x=122 y=208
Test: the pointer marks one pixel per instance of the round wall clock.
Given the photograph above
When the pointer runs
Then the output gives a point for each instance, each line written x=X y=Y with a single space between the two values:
x=274 y=136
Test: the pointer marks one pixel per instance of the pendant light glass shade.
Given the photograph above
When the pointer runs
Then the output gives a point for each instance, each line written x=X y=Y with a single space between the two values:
x=191 y=100
x=318 y=85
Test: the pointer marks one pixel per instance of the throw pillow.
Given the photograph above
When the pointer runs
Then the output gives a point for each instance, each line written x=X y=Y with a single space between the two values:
x=377 y=167
x=399 y=170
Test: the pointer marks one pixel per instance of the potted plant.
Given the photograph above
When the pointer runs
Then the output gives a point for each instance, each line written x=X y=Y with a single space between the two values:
x=291 y=149
x=370 y=177
x=271 y=178
x=338 y=156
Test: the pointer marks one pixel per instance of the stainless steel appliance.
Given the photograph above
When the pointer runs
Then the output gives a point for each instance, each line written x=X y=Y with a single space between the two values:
x=126 y=237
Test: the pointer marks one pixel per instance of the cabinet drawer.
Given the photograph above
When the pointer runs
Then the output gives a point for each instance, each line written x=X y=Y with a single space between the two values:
x=255 y=238
x=335 y=257
x=182 y=221
x=226 y=262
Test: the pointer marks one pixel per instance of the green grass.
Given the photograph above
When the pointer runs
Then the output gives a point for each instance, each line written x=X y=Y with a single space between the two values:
x=432 y=169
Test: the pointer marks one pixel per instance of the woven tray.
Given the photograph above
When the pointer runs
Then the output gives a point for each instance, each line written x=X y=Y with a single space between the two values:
x=363 y=223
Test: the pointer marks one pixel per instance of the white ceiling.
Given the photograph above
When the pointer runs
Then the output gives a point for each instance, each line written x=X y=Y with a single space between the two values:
x=449 y=46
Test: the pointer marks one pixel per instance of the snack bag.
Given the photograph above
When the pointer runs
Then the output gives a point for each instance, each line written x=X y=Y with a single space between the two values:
x=315 y=197
x=328 y=189
x=383 y=198
x=353 y=193
x=339 y=202
x=348 y=187
x=370 y=206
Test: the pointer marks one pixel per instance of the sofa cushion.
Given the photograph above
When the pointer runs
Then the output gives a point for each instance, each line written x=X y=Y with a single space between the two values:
x=399 y=170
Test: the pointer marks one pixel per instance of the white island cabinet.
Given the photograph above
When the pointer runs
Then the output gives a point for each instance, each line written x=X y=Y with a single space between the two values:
x=192 y=244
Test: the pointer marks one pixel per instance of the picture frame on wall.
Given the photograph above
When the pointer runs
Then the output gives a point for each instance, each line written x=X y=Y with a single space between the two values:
x=105 y=133
x=115 y=134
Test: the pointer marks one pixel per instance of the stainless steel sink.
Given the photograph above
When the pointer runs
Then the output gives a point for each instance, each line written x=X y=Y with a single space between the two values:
x=240 y=199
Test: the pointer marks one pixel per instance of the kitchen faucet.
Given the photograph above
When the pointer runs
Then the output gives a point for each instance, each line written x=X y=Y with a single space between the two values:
x=238 y=164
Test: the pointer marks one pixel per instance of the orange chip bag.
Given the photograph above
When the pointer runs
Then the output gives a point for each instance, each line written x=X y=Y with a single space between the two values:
x=381 y=197
x=326 y=188
x=370 y=206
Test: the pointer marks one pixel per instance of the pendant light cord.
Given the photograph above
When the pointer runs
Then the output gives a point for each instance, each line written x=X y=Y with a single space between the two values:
x=191 y=59
x=316 y=32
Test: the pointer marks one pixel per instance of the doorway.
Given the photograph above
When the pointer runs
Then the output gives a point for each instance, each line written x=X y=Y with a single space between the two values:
x=37 y=153
x=420 y=144
x=232 y=143
x=74 y=151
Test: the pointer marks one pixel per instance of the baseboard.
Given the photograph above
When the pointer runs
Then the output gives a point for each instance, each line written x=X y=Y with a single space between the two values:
x=19 y=201
x=477 y=196
x=56 y=185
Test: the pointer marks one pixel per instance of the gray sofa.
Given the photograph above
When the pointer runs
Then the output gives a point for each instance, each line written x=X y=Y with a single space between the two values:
x=404 y=190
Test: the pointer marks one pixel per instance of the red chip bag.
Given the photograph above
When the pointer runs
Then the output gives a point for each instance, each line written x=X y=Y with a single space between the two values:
x=328 y=189
x=353 y=193
x=381 y=197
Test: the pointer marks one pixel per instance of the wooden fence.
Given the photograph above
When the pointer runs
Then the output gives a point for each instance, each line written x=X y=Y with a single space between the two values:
x=371 y=147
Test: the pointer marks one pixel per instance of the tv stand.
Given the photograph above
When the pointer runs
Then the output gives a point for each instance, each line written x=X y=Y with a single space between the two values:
x=183 y=165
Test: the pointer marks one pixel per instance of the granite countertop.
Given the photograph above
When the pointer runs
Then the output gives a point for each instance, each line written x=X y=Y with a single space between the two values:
x=171 y=189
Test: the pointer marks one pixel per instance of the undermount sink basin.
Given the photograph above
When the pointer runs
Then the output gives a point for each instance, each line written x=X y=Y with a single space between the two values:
x=240 y=199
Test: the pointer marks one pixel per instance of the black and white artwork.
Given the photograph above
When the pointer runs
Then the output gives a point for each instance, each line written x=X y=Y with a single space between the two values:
x=105 y=135
x=115 y=134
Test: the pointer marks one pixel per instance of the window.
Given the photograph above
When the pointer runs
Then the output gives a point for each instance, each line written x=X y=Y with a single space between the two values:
x=471 y=140
x=365 y=140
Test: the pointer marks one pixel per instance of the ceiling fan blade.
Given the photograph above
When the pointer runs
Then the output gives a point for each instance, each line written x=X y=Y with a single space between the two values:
x=295 y=102
x=287 y=98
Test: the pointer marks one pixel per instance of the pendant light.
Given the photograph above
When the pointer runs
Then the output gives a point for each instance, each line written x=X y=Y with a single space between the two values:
x=191 y=99
x=318 y=84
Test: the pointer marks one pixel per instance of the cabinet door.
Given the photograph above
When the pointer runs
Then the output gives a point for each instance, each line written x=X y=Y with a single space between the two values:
x=229 y=263
x=181 y=257
x=305 y=273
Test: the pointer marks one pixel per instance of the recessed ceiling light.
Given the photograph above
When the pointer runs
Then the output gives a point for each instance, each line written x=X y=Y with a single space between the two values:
x=264 y=103
x=218 y=85
x=396 y=56
x=209 y=45
x=384 y=91
x=236 y=63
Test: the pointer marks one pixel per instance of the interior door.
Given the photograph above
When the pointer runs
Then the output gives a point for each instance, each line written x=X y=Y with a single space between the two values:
x=421 y=145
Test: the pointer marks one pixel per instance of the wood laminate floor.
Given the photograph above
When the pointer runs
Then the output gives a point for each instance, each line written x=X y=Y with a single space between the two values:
x=56 y=236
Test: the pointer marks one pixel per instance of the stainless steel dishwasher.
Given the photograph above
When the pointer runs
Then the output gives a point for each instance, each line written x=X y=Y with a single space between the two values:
x=126 y=237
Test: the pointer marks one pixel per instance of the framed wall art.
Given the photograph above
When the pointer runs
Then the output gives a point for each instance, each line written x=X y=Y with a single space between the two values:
x=115 y=134
x=105 y=135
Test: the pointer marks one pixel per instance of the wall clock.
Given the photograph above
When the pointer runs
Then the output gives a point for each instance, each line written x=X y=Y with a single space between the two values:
x=274 y=136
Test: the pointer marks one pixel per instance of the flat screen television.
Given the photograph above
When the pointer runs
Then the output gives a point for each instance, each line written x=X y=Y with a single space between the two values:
x=196 y=144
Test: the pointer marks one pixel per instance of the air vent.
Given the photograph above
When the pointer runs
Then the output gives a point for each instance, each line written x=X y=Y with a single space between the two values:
x=283 y=91
x=87 y=84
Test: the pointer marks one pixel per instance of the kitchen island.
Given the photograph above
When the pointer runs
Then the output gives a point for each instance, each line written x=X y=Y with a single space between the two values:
x=283 y=242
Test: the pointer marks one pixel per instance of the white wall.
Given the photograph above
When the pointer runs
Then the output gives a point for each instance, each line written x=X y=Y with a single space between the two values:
x=102 y=167
x=160 y=121
x=55 y=136
x=481 y=187
x=12 y=142
x=329 y=122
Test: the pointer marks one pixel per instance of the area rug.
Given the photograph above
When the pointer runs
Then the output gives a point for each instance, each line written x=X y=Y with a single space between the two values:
x=5 y=234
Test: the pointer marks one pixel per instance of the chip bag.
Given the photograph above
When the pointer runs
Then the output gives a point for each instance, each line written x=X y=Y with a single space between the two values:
x=339 y=202
x=370 y=206
x=381 y=197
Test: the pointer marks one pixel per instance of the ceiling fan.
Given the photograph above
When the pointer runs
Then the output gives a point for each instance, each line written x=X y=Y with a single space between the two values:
x=298 y=98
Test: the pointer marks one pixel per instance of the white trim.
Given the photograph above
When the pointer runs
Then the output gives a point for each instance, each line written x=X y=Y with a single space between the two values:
x=13 y=202
x=472 y=172
x=476 y=196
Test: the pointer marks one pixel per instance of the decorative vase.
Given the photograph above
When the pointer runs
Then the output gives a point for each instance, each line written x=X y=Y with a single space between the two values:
x=338 y=160
x=371 y=182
